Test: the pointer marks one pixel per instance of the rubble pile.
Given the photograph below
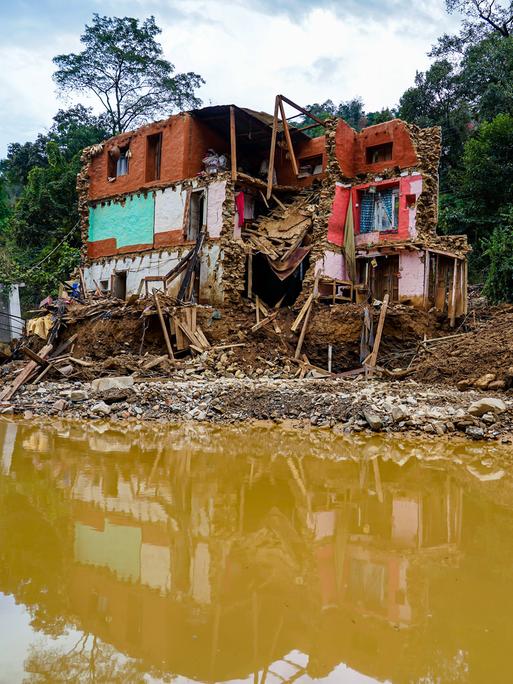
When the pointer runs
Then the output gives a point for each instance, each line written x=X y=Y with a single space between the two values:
x=344 y=405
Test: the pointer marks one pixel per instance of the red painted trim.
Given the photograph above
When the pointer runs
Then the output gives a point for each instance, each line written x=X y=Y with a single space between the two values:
x=168 y=238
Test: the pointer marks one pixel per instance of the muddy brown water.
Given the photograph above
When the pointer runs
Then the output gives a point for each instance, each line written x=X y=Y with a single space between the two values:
x=257 y=554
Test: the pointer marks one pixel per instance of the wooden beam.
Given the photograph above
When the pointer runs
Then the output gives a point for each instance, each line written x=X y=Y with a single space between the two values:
x=163 y=326
x=270 y=170
x=34 y=357
x=302 y=110
x=233 y=143
x=25 y=374
x=303 y=331
x=301 y=314
x=452 y=306
x=377 y=340
x=288 y=140
x=250 y=273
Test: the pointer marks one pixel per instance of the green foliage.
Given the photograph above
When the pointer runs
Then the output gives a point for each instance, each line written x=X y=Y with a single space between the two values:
x=352 y=111
x=123 y=67
x=42 y=183
x=499 y=251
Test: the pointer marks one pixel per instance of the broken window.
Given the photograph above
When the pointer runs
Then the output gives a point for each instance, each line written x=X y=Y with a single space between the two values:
x=118 y=161
x=379 y=210
x=379 y=153
x=153 y=156
x=196 y=213
x=311 y=166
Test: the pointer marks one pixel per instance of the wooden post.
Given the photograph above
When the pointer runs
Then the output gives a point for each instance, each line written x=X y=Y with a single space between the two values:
x=163 y=326
x=270 y=170
x=303 y=331
x=330 y=357
x=288 y=139
x=427 y=260
x=233 y=143
x=452 y=307
x=377 y=341
x=250 y=273
x=465 y=287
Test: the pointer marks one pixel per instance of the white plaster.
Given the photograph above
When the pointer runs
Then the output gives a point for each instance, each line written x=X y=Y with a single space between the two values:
x=215 y=198
x=411 y=268
x=333 y=265
x=159 y=263
x=169 y=208
x=367 y=238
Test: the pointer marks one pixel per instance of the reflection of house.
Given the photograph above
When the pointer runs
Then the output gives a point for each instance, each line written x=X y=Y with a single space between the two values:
x=148 y=195
x=217 y=568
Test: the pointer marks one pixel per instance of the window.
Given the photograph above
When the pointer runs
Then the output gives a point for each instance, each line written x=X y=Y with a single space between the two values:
x=196 y=211
x=379 y=153
x=153 y=156
x=118 y=161
x=311 y=166
x=379 y=210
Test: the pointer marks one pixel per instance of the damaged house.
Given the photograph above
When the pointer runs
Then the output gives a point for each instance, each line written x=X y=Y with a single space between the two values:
x=224 y=202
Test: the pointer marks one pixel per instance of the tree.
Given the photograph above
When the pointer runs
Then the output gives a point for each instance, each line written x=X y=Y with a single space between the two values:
x=482 y=19
x=499 y=252
x=123 y=67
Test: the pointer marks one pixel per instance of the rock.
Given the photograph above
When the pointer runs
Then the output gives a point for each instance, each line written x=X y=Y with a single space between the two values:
x=374 y=421
x=78 y=395
x=399 y=413
x=474 y=432
x=105 y=384
x=464 y=385
x=497 y=385
x=483 y=382
x=101 y=408
x=486 y=405
x=60 y=405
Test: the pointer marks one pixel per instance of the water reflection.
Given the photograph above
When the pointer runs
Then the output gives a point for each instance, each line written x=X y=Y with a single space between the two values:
x=227 y=554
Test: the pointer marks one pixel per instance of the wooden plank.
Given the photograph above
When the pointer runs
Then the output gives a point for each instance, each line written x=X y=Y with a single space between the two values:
x=377 y=340
x=233 y=143
x=190 y=335
x=288 y=139
x=303 y=330
x=265 y=321
x=274 y=135
x=301 y=314
x=278 y=202
x=202 y=337
x=264 y=198
x=25 y=374
x=163 y=326
x=35 y=357
x=181 y=341
x=82 y=283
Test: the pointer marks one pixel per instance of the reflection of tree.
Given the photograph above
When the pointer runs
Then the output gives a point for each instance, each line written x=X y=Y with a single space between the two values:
x=89 y=660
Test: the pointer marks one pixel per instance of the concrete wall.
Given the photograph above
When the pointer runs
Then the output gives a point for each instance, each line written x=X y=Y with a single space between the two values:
x=10 y=328
x=159 y=263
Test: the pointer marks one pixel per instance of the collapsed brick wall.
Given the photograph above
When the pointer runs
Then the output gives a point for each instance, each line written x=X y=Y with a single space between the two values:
x=83 y=182
x=233 y=253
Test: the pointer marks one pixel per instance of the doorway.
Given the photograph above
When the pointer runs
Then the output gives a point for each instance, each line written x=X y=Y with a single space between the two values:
x=119 y=284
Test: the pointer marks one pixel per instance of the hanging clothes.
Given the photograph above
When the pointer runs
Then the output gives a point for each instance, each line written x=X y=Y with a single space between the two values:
x=239 y=204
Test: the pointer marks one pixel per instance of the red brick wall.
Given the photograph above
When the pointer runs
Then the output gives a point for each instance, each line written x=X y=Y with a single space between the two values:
x=302 y=150
x=184 y=143
x=351 y=147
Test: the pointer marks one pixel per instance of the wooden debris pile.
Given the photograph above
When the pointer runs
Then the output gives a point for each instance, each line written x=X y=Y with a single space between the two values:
x=281 y=232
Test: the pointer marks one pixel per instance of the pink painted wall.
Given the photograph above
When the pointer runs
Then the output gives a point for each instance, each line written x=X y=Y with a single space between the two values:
x=332 y=264
x=411 y=268
x=337 y=218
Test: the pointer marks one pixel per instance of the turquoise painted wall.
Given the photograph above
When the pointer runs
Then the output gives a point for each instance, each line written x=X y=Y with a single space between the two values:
x=130 y=223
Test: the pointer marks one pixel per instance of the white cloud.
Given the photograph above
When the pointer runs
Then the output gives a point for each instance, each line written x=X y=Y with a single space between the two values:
x=247 y=53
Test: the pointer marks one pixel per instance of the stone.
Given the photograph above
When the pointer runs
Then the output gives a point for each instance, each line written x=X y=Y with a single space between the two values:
x=399 y=413
x=60 y=405
x=101 y=408
x=373 y=420
x=474 y=432
x=464 y=385
x=497 y=385
x=105 y=384
x=483 y=382
x=77 y=395
x=486 y=405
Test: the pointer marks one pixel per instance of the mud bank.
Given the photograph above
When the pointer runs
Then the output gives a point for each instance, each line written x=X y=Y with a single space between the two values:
x=345 y=406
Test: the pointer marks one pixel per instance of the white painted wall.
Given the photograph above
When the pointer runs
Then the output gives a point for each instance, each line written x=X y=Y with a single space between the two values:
x=215 y=199
x=11 y=325
x=332 y=264
x=169 y=208
x=159 y=263
x=411 y=268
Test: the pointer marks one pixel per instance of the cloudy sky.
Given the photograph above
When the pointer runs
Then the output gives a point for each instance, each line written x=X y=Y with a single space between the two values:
x=246 y=50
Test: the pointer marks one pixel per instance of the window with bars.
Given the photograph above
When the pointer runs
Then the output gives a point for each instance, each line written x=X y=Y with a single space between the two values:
x=379 y=210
